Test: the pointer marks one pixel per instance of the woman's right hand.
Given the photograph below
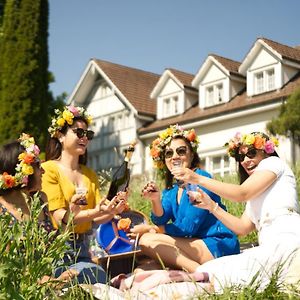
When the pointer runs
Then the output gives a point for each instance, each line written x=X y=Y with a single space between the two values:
x=151 y=192
x=75 y=203
x=201 y=199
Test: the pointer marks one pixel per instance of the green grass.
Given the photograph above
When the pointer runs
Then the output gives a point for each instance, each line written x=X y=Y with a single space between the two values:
x=27 y=253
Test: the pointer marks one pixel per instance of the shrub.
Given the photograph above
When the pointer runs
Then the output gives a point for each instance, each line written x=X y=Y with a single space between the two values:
x=27 y=253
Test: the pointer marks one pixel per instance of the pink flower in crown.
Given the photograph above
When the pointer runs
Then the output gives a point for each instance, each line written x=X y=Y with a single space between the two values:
x=179 y=127
x=25 y=181
x=269 y=147
x=73 y=110
x=33 y=149
x=36 y=150
x=237 y=138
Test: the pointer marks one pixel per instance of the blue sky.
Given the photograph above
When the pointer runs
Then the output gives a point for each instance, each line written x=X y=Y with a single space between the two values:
x=156 y=34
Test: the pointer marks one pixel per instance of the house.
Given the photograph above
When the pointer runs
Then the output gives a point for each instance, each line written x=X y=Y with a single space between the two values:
x=223 y=97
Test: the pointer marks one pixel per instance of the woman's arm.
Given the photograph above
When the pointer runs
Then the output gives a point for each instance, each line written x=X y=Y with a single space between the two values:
x=255 y=184
x=240 y=226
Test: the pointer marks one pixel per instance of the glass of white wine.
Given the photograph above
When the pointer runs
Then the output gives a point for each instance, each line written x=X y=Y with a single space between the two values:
x=178 y=164
x=81 y=190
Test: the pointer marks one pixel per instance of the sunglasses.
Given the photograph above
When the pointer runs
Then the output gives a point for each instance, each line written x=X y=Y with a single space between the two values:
x=81 y=133
x=181 y=151
x=250 y=154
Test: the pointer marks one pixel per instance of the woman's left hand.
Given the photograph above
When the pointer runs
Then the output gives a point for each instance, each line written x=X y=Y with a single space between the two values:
x=121 y=200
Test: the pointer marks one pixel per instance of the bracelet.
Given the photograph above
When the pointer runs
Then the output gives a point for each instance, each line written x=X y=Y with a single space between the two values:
x=216 y=207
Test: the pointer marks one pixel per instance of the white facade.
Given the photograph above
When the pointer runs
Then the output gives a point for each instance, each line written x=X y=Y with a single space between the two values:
x=232 y=97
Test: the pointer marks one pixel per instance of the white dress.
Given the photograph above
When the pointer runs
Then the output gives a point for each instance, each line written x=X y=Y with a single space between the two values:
x=275 y=214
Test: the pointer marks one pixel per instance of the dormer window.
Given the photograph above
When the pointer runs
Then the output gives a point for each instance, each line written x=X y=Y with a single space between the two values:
x=264 y=81
x=214 y=94
x=170 y=106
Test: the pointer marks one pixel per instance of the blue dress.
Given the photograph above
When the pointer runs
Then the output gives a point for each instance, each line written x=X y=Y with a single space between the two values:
x=186 y=220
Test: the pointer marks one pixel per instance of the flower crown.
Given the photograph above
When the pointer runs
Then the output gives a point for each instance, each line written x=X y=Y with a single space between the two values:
x=256 y=139
x=67 y=116
x=24 y=167
x=157 y=147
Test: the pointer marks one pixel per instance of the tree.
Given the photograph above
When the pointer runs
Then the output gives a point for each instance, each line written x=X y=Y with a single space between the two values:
x=288 y=121
x=24 y=76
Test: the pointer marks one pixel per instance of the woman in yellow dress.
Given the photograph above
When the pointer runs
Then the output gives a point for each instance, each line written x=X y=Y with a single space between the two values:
x=67 y=179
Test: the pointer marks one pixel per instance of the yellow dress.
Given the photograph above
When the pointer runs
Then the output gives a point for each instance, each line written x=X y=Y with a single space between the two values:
x=59 y=190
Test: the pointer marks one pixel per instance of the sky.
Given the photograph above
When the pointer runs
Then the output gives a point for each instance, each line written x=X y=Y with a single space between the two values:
x=153 y=35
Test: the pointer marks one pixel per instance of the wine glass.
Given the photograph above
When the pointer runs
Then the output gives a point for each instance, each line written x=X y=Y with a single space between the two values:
x=178 y=164
x=191 y=189
x=81 y=190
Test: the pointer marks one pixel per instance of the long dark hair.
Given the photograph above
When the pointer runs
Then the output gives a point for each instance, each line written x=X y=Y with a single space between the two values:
x=9 y=154
x=194 y=164
x=243 y=175
x=54 y=146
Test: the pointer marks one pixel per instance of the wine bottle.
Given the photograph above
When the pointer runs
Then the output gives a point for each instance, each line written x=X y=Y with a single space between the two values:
x=121 y=177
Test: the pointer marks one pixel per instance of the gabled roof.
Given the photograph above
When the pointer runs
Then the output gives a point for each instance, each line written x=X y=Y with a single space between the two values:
x=231 y=65
x=183 y=79
x=136 y=85
x=228 y=66
x=280 y=50
x=238 y=103
x=284 y=50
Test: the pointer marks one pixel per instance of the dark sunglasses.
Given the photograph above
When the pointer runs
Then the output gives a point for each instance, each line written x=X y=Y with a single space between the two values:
x=250 y=154
x=81 y=133
x=181 y=151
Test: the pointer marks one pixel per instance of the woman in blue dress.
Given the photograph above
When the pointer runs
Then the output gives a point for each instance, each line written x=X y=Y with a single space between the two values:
x=184 y=236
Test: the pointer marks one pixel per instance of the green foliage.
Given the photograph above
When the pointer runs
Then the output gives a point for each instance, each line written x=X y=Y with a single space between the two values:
x=287 y=122
x=24 y=74
x=27 y=253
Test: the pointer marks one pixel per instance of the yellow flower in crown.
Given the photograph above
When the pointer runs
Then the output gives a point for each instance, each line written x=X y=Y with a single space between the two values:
x=157 y=147
x=27 y=169
x=275 y=141
x=89 y=120
x=61 y=122
x=248 y=139
x=66 y=116
x=24 y=168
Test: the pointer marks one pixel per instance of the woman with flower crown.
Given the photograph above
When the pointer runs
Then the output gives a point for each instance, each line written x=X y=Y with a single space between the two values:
x=268 y=187
x=20 y=178
x=67 y=179
x=184 y=236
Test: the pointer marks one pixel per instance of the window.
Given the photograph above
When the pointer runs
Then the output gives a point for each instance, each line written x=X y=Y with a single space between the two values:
x=170 y=106
x=214 y=94
x=218 y=164
x=259 y=82
x=264 y=81
x=219 y=89
x=210 y=96
x=271 y=79
x=175 y=105
x=167 y=108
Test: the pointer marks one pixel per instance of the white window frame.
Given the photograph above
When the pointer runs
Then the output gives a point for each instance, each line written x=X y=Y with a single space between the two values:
x=264 y=81
x=170 y=106
x=214 y=94
x=224 y=162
